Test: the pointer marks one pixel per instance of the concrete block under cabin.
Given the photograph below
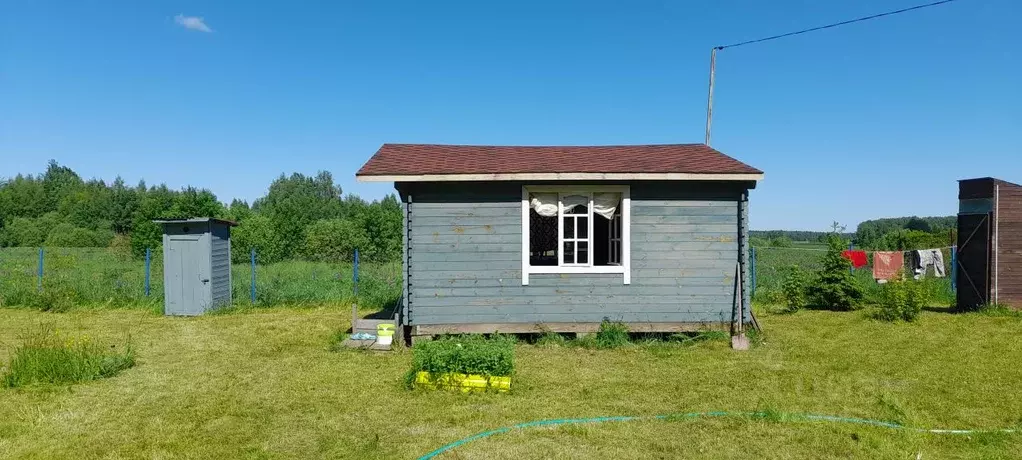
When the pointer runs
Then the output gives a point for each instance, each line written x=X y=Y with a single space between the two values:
x=196 y=265
x=531 y=239
x=989 y=259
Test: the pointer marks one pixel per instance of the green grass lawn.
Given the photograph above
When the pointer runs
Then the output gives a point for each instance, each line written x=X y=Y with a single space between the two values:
x=263 y=384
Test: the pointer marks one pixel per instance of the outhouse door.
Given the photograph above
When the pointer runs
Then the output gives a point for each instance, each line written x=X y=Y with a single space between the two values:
x=187 y=290
x=973 y=258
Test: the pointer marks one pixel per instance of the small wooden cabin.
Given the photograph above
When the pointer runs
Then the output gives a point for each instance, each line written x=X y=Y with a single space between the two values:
x=989 y=243
x=530 y=239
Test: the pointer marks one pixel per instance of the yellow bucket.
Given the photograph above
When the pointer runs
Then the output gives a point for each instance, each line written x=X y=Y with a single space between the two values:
x=385 y=334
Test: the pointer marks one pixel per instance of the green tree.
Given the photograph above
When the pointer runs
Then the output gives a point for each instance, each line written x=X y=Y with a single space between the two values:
x=22 y=196
x=59 y=182
x=193 y=202
x=23 y=232
x=834 y=286
x=256 y=232
x=294 y=203
x=334 y=240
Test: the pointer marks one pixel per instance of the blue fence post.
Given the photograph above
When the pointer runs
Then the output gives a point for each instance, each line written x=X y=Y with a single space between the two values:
x=355 y=275
x=753 y=274
x=39 y=285
x=148 y=259
x=252 y=292
x=954 y=268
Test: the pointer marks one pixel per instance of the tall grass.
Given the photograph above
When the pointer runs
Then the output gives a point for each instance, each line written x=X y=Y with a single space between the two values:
x=47 y=358
x=101 y=277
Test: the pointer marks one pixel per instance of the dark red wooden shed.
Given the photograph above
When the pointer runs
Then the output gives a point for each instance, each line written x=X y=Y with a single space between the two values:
x=989 y=243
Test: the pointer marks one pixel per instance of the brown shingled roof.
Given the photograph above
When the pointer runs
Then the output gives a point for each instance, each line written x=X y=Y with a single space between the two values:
x=428 y=159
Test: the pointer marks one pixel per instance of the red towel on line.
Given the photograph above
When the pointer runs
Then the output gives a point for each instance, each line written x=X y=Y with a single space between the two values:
x=858 y=257
x=887 y=263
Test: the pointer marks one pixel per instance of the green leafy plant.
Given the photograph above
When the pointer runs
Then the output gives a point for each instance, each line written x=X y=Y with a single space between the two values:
x=794 y=286
x=900 y=300
x=48 y=358
x=612 y=334
x=834 y=287
x=469 y=354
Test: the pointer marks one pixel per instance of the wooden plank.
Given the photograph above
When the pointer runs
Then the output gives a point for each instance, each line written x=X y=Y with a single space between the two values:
x=511 y=203
x=646 y=220
x=684 y=264
x=685 y=255
x=466 y=248
x=557 y=302
x=732 y=204
x=468 y=256
x=684 y=229
x=681 y=211
x=427 y=221
x=555 y=281
x=566 y=327
x=665 y=246
x=417 y=276
x=639 y=237
x=554 y=292
x=480 y=266
x=454 y=210
x=486 y=229
x=437 y=238
x=706 y=317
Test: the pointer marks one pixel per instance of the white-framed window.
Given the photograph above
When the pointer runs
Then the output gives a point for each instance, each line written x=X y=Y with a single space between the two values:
x=576 y=229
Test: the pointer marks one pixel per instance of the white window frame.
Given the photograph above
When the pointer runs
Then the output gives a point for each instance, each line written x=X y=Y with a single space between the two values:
x=624 y=267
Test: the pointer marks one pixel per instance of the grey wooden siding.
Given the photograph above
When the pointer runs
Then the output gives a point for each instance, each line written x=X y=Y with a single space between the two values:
x=220 y=264
x=463 y=261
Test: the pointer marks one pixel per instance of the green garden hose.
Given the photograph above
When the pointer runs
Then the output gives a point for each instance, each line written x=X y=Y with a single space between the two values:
x=811 y=417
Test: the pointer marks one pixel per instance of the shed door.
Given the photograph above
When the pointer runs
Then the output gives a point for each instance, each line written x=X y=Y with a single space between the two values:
x=973 y=278
x=187 y=276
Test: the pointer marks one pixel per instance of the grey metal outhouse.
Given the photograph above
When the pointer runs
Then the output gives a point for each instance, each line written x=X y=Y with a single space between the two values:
x=196 y=265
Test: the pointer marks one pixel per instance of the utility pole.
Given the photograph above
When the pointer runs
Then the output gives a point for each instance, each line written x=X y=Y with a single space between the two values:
x=709 y=98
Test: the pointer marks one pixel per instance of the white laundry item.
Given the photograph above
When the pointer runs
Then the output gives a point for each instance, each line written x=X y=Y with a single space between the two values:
x=924 y=258
x=604 y=204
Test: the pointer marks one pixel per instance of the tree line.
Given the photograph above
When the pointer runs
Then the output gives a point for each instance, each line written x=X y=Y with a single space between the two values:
x=301 y=217
x=887 y=234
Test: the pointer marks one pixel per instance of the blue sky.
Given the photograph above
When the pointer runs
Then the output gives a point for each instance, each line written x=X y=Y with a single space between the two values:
x=868 y=120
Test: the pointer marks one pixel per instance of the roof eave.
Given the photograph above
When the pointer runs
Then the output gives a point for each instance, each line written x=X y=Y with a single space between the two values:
x=558 y=177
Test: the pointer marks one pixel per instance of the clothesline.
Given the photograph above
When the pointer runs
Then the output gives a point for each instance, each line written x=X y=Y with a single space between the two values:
x=868 y=251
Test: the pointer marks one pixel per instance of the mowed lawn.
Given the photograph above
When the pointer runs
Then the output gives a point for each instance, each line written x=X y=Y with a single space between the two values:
x=264 y=384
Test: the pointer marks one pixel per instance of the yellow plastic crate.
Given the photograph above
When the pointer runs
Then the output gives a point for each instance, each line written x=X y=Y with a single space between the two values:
x=464 y=382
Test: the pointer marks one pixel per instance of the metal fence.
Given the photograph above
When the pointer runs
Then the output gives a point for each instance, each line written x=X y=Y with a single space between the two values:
x=102 y=276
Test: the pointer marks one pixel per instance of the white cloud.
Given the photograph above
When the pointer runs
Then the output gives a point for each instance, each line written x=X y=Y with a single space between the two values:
x=192 y=22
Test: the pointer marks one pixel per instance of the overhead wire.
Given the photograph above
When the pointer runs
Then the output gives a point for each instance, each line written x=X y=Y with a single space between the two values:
x=836 y=24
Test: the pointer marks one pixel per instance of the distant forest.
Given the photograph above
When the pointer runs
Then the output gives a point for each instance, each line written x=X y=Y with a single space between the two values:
x=894 y=233
x=301 y=217
x=304 y=217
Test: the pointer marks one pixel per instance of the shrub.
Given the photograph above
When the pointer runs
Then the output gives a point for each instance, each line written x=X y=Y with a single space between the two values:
x=46 y=358
x=470 y=354
x=834 y=287
x=612 y=334
x=794 y=286
x=68 y=236
x=900 y=300
x=334 y=240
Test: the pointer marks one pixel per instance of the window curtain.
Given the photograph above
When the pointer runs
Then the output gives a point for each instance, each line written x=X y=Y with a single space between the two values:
x=604 y=204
